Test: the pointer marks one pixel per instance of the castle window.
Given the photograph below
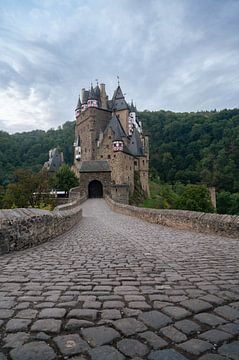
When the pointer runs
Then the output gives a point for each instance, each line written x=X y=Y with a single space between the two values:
x=114 y=155
x=135 y=163
x=110 y=137
x=107 y=146
x=101 y=156
x=143 y=162
x=109 y=156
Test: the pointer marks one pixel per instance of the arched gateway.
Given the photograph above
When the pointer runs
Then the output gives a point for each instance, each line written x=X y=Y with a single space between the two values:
x=95 y=189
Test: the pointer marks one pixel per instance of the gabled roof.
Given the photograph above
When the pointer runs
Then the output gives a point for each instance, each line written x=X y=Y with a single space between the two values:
x=135 y=146
x=95 y=166
x=116 y=127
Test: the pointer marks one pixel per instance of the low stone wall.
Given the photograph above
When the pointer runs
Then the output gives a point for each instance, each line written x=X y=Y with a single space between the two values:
x=24 y=228
x=226 y=225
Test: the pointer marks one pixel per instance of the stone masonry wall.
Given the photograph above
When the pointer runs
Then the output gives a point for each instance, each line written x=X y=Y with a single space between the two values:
x=226 y=225
x=24 y=228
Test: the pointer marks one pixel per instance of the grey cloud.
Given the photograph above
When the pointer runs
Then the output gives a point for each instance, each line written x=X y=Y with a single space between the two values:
x=177 y=55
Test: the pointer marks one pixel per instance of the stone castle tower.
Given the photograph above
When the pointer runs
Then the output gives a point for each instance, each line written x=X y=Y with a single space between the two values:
x=111 y=151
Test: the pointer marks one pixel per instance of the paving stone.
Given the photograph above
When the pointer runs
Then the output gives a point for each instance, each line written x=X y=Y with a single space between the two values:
x=6 y=304
x=15 y=340
x=131 y=347
x=111 y=314
x=212 y=299
x=167 y=354
x=88 y=314
x=6 y=314
x=44 y=305
x=113 y=305
x=195 y=346
x=161 y=304
x=22 y=305
x=26 y=314
x=131 y=312
x=154 y=340
x=106 y=352
x=15 y=325
x=100 y=335
x=231 y=350
x=129 y=326
x=196 y=305
x=212 y=357
x=209 y=319
x=71 y=344
x=176 y=312
x=227 y=312
x=41 y=336
x=52 y=313
x=155 y=319
x=1 y=323
x=76 y=324
x=35 y=350
x=215 y=336
x=188 y=327
x=173 y=334
x=126 y=290
x=47 y=325
x=134 y=298
x=230 y=328
x=142 y=305
x=92 y=305
x=2 y=356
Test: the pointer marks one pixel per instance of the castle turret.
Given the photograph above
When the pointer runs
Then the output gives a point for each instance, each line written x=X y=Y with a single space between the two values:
x=78 y=107
x=103 y=97
x=92 y=99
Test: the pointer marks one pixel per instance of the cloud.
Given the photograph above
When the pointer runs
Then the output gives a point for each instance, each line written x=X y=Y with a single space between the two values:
x=176 y=55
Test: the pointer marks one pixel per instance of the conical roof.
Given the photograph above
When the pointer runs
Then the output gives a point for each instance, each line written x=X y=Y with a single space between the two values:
x=78 y=106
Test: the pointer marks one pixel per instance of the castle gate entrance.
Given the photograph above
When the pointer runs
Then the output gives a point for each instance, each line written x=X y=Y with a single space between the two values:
x=95 y=189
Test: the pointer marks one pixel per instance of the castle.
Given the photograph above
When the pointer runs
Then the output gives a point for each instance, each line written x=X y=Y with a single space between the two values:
x=111 y=153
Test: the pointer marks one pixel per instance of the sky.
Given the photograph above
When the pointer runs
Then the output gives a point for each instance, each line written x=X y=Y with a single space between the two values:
x=178 y=55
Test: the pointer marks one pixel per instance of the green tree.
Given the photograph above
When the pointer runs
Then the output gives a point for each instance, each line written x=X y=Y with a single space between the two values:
x=21 y=192
x=64 y=179
x=195 y=198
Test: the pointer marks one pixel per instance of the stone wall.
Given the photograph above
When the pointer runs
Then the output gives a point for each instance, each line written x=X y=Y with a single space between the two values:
x=226 y=225
x=24 y=228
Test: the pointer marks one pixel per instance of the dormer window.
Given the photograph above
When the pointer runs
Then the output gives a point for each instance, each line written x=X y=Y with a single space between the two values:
x=118 y=145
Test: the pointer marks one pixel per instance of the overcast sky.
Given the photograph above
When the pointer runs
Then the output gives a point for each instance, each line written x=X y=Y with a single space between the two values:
x=179 y=55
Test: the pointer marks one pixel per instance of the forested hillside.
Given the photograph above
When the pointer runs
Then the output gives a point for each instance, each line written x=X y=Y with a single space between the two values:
x=194 y=148
x=30 y=149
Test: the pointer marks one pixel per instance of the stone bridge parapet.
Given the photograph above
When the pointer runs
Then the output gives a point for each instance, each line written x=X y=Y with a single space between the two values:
x=27 y=227
x=225 y=225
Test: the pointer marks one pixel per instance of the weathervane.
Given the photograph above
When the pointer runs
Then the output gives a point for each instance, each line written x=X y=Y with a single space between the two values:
x=96 y=81
x=118 y=80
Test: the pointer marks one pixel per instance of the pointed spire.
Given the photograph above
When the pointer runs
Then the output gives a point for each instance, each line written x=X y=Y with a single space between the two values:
x=78 y=106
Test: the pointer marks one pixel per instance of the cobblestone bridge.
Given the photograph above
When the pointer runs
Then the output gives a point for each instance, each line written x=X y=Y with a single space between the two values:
x=117 y=288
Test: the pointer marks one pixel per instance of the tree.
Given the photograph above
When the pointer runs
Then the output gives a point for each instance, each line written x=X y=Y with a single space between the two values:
x=21 y=192
x=64 y=179
x=195 y=198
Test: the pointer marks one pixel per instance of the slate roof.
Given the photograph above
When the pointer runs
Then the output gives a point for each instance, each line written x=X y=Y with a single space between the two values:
x=118 y=100
x=94 y=166
x=78 y=106
x=135 y=146
x=116 y=127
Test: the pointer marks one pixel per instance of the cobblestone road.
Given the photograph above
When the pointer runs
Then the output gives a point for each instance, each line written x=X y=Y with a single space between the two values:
x=117 y=288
